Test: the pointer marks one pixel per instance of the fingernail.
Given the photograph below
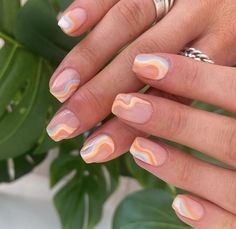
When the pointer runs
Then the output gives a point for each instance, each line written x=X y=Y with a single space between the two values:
x=148 y=152
x=72 y=20
x=132 y=108
x=151 y=66
x=98 y=149
x=65 y=84
x=188 y=207
x=63 y=125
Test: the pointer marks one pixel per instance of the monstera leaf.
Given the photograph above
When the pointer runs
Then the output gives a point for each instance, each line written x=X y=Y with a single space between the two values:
x=80 y=201
x=149 y=209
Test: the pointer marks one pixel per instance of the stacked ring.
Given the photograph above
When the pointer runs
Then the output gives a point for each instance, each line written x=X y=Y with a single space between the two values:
x=162 y=8
x=196 y=55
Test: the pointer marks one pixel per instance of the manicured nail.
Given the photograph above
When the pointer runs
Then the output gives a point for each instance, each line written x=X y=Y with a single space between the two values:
x=72 y=20
x=98 y=149
x=188 y=207
x=148 y=152
x=132 y=108
x=151 y=66
x=63 y=125
x=65 y=84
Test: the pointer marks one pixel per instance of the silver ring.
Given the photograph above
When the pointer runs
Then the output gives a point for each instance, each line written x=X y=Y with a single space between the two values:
x=162 y=8
x=196 y=55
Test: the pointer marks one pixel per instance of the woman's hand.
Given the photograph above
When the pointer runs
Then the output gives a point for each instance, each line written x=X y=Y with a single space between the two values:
x=207 y=25
x=209 y=133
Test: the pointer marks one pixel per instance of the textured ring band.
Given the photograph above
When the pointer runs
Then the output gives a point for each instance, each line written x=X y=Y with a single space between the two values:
x=196 y=55
x=162 y=8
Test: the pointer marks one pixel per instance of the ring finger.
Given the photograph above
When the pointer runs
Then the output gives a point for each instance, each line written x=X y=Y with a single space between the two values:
x=187 y=172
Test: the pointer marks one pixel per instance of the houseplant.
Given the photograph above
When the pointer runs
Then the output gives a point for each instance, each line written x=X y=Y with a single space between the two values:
x=31 y=46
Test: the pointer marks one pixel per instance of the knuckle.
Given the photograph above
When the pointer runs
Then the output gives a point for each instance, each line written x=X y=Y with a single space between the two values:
x=229 y=144
x=191 y=79
x=231 y=197
x=87 y=52
x=185 y=175
x=131 y=12
x=102 y=5
x=90 y=97
x=176 y=122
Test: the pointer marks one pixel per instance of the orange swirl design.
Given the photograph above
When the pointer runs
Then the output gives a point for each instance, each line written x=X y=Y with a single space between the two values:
x=143 y=154
x=60 y=132
x=127 y=101
x=98 y=149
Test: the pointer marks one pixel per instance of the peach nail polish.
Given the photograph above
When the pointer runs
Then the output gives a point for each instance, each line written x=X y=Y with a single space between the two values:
x=63 y=125
x=65 y=84
x=188 y=207
x=148 y=152
x=72 y=20
x=151 y=66
x=98 y=149
x=132 y=108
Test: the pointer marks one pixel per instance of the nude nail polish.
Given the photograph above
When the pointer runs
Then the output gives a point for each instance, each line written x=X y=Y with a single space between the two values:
x=98 y=149
x=63 y=125
x=151 y=66
x=149 y=152
x=72 y=20
x=65 y=84
x=132 y=108
x=188 y=207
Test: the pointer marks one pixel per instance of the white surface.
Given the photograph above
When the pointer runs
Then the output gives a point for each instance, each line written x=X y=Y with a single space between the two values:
x=26 y=204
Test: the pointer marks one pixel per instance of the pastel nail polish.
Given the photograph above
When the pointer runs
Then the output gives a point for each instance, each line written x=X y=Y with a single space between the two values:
x=72 y=20
x=98 y=149
x=151 y=66
x=63 y=125
x=148 y=152
x=132 y=108
x=188 y=207
x=65 y=84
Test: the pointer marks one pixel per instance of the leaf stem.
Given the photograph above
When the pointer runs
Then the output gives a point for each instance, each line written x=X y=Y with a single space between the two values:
x=9 y=39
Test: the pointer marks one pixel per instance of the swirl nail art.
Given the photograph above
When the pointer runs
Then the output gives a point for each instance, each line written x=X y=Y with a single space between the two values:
x=65 y=84
x=151 y=66
x=98 y=149
x=143 y=154
x=148 y=151
x=72 y=20
x=63 y=125
x=132 y=108
x=188 y=208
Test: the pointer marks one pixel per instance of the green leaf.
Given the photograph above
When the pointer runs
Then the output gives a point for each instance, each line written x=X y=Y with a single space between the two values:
x=149 y=209
x=15 y=168
x=80 y=201
x=8 y=13
x=64 y=3
x=25 y=99
x=37 y=29
x=145 y=178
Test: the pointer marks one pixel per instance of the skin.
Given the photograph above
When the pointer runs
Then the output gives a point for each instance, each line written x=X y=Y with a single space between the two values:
x=209 y=133
x=128 y=22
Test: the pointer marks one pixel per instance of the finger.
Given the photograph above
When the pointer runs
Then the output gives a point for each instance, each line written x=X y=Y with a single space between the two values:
x=186 y=172
x=123 y=23
x=202 y=214
x=206 y=132
x=109 y=142
x=117 y=77
x=83 y=14
x=182 y=76
x=118 y=134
